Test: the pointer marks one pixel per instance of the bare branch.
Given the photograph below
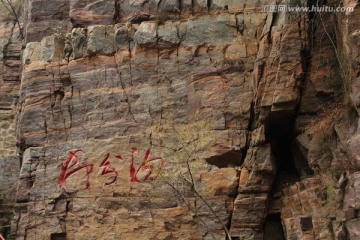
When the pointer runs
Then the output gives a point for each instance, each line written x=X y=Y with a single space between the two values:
x=211 y=209
x=11 y=9
x=188 y=205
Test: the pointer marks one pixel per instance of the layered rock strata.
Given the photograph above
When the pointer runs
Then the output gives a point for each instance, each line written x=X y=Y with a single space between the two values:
x=277 y=92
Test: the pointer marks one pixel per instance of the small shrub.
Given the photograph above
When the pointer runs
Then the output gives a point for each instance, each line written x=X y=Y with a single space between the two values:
x=6 y=116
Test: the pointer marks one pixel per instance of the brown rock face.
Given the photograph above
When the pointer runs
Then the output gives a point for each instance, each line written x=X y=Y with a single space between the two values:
x=10 y=72
x=251 y=119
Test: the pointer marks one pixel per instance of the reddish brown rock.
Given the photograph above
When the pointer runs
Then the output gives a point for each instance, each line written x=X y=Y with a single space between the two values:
x=105 y=76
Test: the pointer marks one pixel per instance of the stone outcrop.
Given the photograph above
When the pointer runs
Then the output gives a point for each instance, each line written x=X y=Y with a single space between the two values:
x=263 y=107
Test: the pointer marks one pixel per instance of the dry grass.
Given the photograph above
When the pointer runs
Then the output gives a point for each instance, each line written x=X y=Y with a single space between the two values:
x=323 y=124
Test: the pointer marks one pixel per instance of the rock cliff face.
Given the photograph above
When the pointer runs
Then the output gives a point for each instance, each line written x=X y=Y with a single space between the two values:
x=10 y=50
x=254 y=116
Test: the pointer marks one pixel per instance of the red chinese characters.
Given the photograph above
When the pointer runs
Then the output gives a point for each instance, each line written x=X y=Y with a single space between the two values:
x=105 y=165
x=146 y=169
x=145 y=172
x=71 y=166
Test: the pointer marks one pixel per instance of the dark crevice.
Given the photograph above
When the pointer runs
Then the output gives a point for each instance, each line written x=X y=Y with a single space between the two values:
x=273 y=23
x=58 y=236
x=273 y=229
x=240 y=160
x=117 y=11
x=291 y=164
x=22 y=145
x=68 y=207
x=181 y=5
x=137 y=19
x=231 y=212
x=278 y=134
x=290 y=157
x=209 y=4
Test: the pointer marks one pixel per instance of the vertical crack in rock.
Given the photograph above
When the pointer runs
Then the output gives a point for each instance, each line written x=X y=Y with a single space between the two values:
x=244 y=153
x=274 y=18
x=209 y=4
x=117 y=10
x=124 y=88
x=181 y=5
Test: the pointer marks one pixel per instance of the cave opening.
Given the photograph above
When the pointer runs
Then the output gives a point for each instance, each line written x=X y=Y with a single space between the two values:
x=279 y=135
x=291 y=164
x=273 y=228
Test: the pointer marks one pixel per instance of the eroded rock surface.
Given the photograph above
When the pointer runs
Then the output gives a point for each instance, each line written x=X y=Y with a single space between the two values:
x=104 y=77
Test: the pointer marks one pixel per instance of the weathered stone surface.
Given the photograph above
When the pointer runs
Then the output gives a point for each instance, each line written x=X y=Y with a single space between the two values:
x=10 y=51
x=300 y=201
x=91 y=12
x=100 y=40
x=169 y=6
x=52 y=48
x=219 y=182
x=122 y=38
x=9 y=173
x=45 y=18
x=7 y=136
x=169 y=34
x=78 y=42
x=249 y=212
x=261 y=163
x=167 y=64
x=31 y=53
x=231 y=5
x=353 y=228
x=146 y=34
x=171 y=93
x=10 y=72
x=222 y=31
